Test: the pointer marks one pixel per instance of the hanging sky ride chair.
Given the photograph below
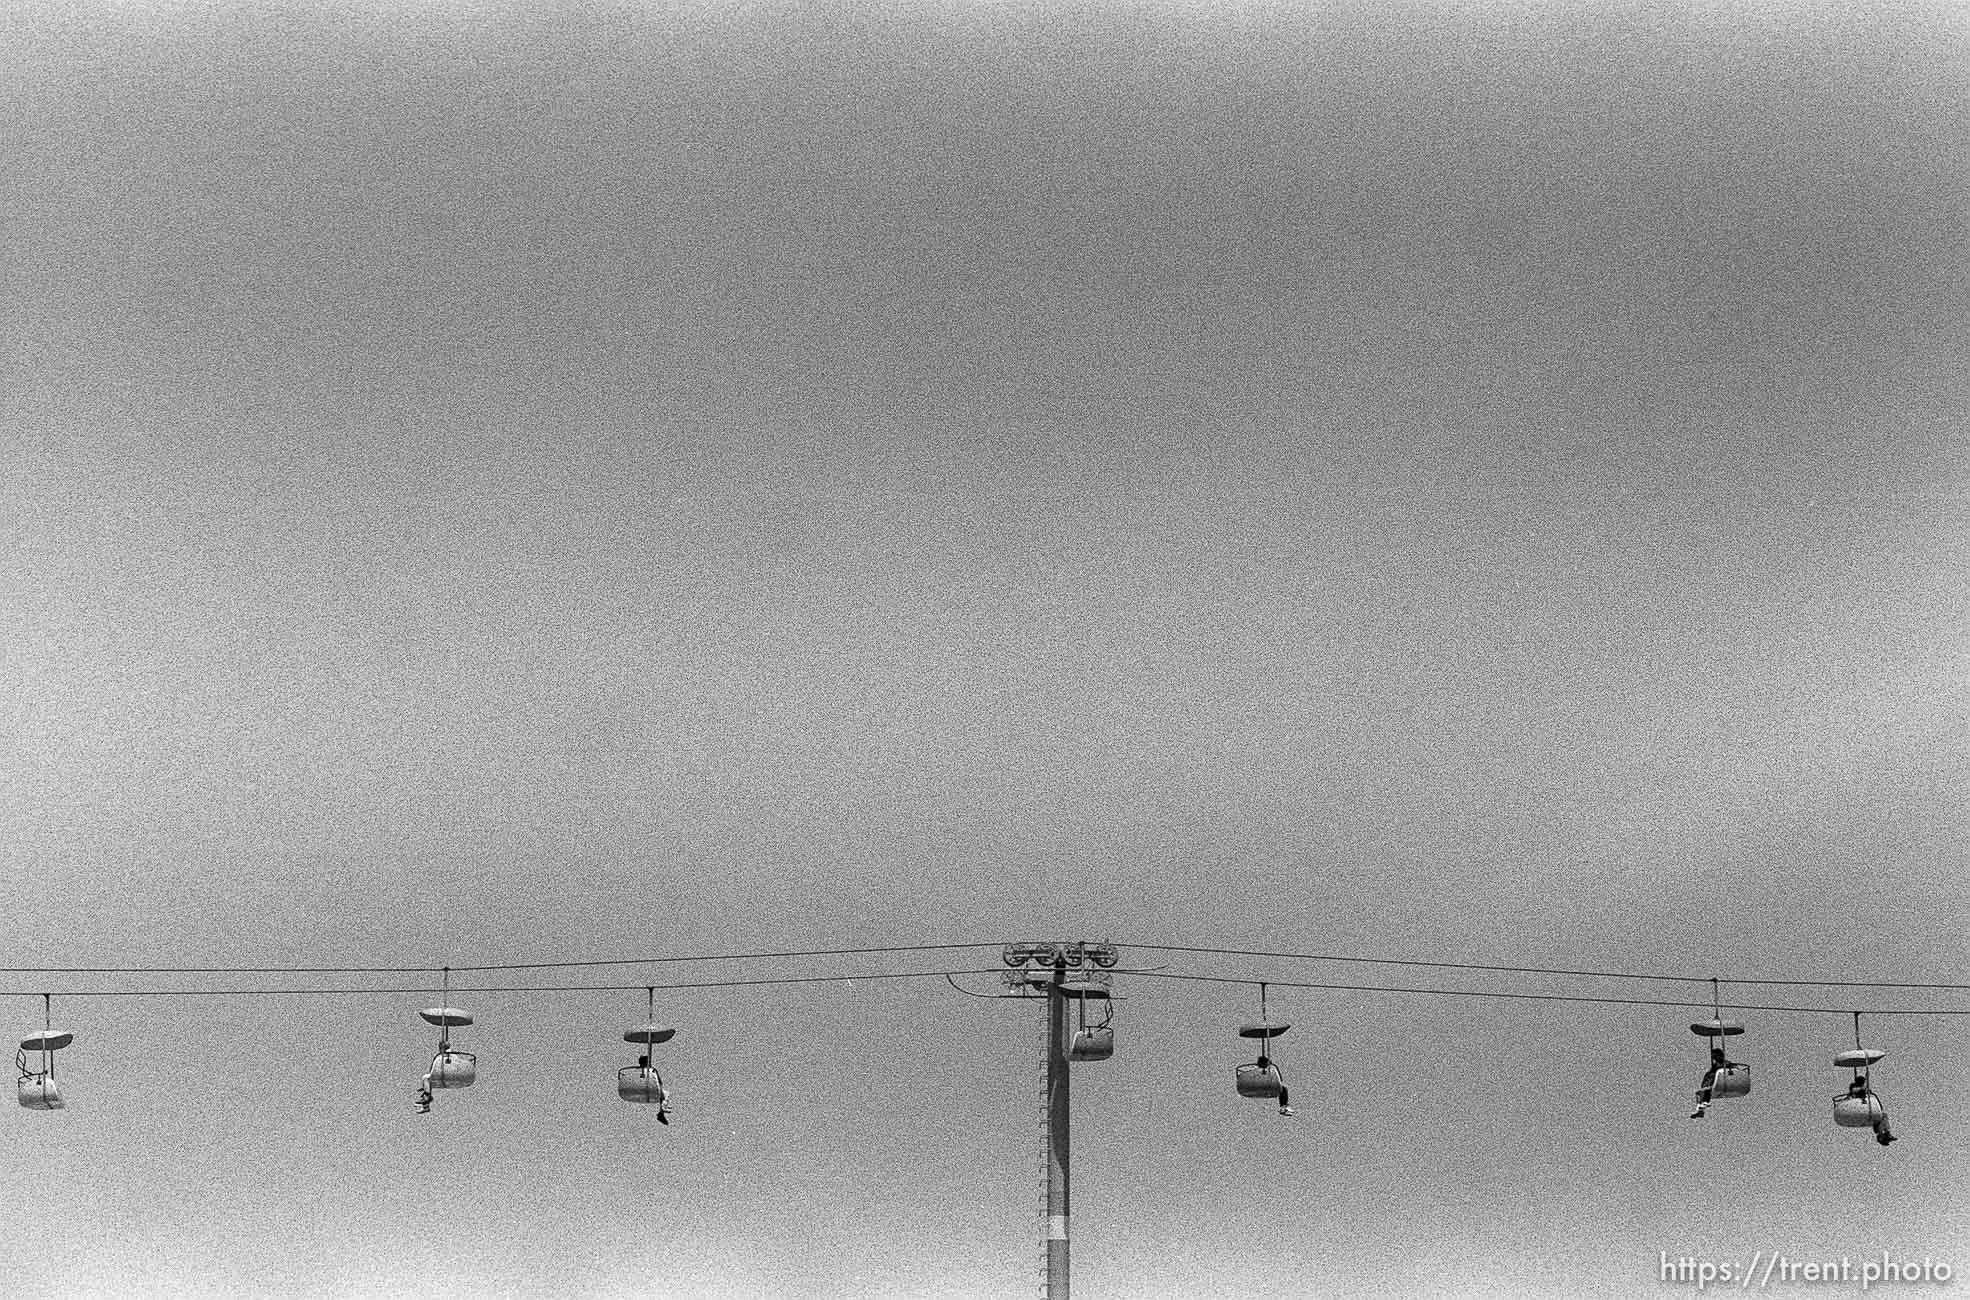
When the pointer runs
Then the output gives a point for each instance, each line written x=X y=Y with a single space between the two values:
x=1859 y=1106
x=1261 y=1078
x=1091 y=1042
x=1722 y=1077
x=36 y=1086
x=1094 y=1042
x=641 y=1083
x=449 y=1069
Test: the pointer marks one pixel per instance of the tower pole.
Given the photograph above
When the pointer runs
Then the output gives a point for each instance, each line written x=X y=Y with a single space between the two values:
x=1058 y=1285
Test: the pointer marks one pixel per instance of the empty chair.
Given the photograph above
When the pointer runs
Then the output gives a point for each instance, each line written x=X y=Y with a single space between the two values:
x=1092 y=1043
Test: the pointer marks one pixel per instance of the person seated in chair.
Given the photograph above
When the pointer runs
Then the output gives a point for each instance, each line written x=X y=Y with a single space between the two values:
x=663 y=1098
x=1706 y=1091
x=1285 y=1106
x=1859 y=1090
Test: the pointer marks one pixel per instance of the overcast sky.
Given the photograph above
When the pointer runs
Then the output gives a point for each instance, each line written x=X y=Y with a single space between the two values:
x=512 y=483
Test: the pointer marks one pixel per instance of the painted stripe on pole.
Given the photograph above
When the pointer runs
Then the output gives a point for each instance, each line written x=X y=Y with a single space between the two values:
x=1056 y=1227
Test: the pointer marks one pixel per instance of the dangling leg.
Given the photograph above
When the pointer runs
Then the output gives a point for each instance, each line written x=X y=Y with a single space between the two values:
x=1285 y=1105
x=1704 y=1092
x=663 y=1102
x=424 y=1096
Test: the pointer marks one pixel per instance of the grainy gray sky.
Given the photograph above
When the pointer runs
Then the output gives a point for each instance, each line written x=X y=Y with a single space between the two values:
x=505 y=483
